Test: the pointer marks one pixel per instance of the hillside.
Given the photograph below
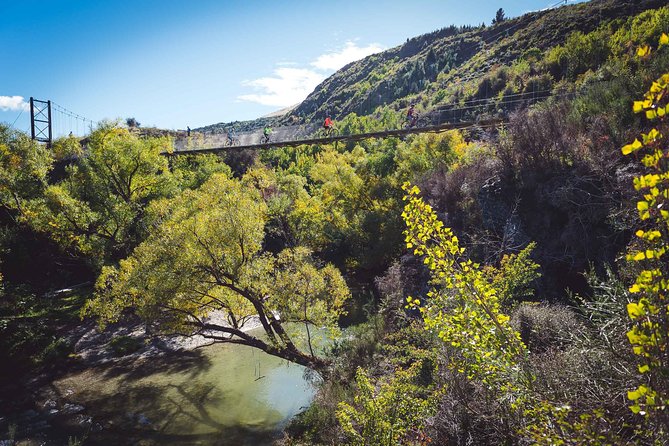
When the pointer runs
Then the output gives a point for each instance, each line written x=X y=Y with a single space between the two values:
x=452 y=64
x=457 y=66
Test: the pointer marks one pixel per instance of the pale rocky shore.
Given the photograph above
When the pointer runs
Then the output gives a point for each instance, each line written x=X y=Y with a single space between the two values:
x=92 y=346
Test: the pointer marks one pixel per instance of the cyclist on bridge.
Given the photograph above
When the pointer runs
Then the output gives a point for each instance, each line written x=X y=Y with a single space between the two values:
x=327 y=125
x=231 y=136
x=412 y=116
x=266 y=132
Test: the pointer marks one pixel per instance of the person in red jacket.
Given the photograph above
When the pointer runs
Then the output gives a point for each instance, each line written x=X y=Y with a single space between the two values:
x=327 y=125
x=412 y=116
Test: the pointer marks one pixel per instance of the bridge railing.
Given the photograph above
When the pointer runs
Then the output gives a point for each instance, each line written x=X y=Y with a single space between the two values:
x=470 y=111
x=199 y=140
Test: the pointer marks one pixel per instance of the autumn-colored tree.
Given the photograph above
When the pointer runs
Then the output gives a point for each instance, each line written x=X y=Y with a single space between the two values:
x=97 y=207
x=464 y=305
x=649 y=334
x=205 y=255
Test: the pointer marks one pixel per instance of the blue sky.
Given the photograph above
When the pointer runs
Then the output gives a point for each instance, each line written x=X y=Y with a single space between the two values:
x=173 y=63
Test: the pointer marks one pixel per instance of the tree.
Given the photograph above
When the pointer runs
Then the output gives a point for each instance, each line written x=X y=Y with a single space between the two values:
x=191 y=171
x=24 y=168
x=97 y=207
x=389 y=414
x=464 y=306
x=499 y=16
x=649 y=335
x=204 y=255
x=132 y=123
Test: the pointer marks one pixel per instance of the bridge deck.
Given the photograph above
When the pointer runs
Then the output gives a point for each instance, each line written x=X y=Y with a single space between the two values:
x=336 y=138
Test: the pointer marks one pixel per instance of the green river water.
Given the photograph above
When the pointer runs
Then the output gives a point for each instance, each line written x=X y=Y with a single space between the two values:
x=216 y=395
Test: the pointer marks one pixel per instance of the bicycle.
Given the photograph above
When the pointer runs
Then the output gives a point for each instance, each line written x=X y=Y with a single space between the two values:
x=327 y=132
x=411 y=121
x=417 y=121
x=265 y=139
x=231 y=141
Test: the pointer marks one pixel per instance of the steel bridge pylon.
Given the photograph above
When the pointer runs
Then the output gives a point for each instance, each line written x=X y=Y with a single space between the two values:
x=40 y=121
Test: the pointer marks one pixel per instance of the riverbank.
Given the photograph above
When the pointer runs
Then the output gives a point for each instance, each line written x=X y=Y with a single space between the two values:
x=94 y=347
x=72 y=401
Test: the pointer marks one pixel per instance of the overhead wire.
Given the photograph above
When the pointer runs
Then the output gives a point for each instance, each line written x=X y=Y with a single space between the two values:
x=469 y=125
x=64 y=112
x=17 y=118
x=489 y=39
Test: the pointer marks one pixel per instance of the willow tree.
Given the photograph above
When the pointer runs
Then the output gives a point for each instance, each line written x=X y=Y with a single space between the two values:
x=205 y=255
x=24 y=169
x=96 y=206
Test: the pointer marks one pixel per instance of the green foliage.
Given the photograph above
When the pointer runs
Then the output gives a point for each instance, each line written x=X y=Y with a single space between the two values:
x=293 y=160
x=499 y=16
x=196 y=242
x=579 y=53
x=353 y=124
x=97 y=208
x=649 y=335
x=11 y=432
x=31 y=329
x=342 y=208
x=514 y=277
x=67 y=147
x=318 y=423
x=465 y=310
x=56 y=350
x=125 y=345
x=205 y=254
x=427 y=152
x=493 y=83
x=412 y=347
x=24 y=168
x=395 y=413
x=561 y=426
x=191 y=171
x=641 y=30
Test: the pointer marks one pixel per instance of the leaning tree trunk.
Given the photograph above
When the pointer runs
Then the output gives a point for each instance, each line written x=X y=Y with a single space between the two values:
x=288 y=352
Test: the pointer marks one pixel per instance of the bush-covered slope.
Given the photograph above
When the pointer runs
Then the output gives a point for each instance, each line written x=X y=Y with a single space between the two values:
x=451 y=64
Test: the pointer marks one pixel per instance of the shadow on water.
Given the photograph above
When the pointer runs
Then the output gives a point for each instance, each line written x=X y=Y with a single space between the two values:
x=219 y=395
x=192 y=362
x=184 y=417
x=234 y=436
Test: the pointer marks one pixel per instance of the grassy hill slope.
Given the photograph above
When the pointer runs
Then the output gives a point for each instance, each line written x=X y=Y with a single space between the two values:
x=451 y=64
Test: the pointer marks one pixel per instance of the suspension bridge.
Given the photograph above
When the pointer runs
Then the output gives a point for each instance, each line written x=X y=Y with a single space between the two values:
x=481 y=114
x=475 y=114
x=344 y=138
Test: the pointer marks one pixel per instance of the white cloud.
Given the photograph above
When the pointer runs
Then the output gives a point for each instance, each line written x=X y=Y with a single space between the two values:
x=288 y=86
x=335 y=60
x=13 y=103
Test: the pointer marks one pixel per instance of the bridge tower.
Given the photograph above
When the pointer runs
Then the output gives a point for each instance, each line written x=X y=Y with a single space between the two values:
x=40 y=120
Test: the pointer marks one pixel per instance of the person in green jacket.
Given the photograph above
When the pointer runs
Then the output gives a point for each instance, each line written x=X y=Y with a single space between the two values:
x=266 y=132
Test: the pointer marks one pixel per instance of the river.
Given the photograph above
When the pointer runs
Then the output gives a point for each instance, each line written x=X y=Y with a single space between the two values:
x=216 y=395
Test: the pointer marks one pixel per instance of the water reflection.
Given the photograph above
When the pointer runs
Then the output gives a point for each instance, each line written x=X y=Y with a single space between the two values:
x=218 y=395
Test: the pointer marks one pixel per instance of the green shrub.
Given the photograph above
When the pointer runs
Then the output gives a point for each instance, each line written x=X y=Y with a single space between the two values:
x=543 y=326
x=56 y=350
x=125 y=345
